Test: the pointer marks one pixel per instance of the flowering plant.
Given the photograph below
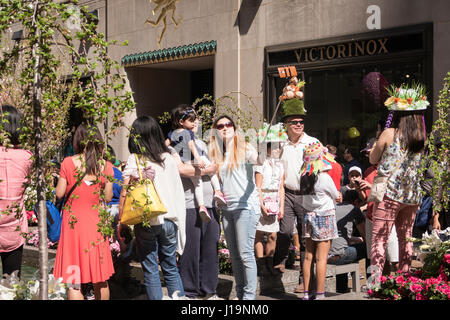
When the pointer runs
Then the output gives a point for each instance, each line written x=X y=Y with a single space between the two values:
x=32 y=239
x=12 y=288
x=431 y=282
x=31 y=217
x=224 y=258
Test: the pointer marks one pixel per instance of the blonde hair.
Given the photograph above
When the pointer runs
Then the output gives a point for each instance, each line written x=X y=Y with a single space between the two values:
x=237 y=152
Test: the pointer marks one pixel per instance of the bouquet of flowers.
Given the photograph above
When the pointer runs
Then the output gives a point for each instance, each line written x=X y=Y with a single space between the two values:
x=12 y=288
x=429 y=283
x=31 y=217
x=224 y=258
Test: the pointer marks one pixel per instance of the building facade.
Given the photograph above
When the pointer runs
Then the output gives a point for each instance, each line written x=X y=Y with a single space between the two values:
x=345 y=50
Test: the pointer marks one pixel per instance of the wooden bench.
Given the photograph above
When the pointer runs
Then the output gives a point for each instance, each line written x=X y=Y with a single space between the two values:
x=353 y=268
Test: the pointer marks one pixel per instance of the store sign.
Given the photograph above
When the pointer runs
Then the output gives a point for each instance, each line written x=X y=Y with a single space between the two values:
x=343 y=50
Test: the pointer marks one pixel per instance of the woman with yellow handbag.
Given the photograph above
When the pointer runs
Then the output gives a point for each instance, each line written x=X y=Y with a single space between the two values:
x=152 y=188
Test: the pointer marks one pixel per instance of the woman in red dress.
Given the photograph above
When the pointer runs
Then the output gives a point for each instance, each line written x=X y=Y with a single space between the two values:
x=83 y=253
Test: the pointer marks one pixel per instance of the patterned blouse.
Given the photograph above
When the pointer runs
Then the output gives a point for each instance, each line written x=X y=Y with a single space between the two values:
x=404 y=184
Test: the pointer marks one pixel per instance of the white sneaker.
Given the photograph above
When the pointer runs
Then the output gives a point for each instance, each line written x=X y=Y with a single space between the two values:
x=213 y=297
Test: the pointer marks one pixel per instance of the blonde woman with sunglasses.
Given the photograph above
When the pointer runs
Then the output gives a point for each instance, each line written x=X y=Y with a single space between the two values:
x=236 y=159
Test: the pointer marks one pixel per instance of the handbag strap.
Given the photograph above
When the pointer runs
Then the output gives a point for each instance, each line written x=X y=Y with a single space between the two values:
x=139 y=169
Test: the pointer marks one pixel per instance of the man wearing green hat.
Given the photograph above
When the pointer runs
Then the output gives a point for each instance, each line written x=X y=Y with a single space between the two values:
x=293 y=117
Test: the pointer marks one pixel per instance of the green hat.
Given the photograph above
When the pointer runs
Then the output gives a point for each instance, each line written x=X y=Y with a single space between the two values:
x=292 y=98
x=276 y=133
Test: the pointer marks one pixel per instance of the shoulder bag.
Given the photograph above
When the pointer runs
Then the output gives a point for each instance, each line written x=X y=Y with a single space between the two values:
x=142 y=201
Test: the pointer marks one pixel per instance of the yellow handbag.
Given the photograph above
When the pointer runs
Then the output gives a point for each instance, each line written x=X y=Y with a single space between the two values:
x=142 y=202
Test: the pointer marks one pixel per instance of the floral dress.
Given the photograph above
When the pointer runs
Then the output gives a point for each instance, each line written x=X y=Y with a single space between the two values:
x=272 y=172
x=403 y=185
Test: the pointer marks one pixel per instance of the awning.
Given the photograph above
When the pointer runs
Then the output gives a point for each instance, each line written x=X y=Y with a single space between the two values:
x=170 y=54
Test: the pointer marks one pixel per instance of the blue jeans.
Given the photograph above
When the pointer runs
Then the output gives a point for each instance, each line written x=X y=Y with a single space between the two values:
x=159 y=242
x=240 y=227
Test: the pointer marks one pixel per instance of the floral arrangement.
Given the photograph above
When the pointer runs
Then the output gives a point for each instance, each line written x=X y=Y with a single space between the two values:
x=429 y=283
x=12 y=288
x=32 y=239
x=224 y=257
x=115 y=248
x=407 y=98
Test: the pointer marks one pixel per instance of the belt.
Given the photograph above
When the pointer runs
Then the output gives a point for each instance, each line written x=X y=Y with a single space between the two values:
x=295 y=192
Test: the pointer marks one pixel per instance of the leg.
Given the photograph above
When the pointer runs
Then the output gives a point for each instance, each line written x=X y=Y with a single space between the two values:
x=189 y=263
x=229 y=229
x=167 y=248
x=209 y=258
x=246 y=221
x=198 y=190
x=322 y=249
x=307 y=262
x=271 y=243
x=101 y=290
x=12 y=261
x=259 y=245
x=383 y=219
x=147 y=250
x=284 y=235
x=75 y=294
x=404 y=224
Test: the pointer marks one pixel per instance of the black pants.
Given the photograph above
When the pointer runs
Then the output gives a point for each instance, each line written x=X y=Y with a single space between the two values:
x=199 y=264
x=12 y=260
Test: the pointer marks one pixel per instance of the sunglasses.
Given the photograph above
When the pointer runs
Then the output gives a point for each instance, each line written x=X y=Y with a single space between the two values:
x=223 y=125
x=296 y=122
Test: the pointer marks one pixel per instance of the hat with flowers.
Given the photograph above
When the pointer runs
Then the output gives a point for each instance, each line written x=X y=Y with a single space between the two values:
x=316 y=158
x=276 y=133
x=407 y=98
x=292 y=99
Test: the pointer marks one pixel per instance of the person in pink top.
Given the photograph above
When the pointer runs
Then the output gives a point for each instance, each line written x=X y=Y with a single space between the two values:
x=15 y=167
x=83 y=254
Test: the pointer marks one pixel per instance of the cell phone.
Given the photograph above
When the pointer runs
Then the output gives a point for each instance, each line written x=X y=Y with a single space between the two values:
x=357 y=183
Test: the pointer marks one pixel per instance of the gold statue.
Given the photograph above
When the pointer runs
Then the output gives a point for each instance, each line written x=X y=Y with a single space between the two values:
x=167 y=5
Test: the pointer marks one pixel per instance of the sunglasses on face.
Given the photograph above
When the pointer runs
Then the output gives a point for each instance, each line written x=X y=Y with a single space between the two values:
x=223 y=125
x=296 y=122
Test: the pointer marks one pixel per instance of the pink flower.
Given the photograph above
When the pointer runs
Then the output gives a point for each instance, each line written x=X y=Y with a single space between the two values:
x=416 y=288
x=447 y=258
x=420 y=297
x=400 y=280
x=383 y=279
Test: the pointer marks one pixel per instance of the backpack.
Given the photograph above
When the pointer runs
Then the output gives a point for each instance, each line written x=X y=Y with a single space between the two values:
x=54 y=219
x=424 y=213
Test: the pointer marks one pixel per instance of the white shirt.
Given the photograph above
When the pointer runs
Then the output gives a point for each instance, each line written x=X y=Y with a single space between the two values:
x=325 y=197
x=170 y=189
x=293 y=160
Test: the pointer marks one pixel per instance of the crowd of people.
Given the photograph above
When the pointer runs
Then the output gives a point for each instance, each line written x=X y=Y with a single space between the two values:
x=259 y=196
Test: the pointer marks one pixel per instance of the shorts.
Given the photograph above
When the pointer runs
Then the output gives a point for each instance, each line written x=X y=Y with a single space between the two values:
x=321 y=227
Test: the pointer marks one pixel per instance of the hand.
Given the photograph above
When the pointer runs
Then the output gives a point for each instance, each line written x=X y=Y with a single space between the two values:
x=149 y=173
x=436 y=223
x=280 y=214
x=264 y=210
x=201 y=164
x=339 y=199
x=364 y=185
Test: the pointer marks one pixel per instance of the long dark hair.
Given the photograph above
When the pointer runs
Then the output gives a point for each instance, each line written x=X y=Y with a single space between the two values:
x=307 y=183
x=12 y=124
x=410 y=127
x=88 y=140
x=146 y=138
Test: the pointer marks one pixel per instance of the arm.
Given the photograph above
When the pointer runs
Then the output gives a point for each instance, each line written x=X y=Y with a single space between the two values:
x=281 y=215
x=254 y=157
x=258 y=182
x=194 y=152
x=60 y=189
x=188 y=170
x=386 y=138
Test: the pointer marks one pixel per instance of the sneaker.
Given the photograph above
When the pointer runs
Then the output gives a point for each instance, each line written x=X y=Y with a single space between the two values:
x=220 y=199
x=204 y=215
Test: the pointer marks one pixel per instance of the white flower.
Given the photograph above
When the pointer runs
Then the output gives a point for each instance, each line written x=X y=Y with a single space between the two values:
x=424 y=247
x=6 y=293
x=56 y=288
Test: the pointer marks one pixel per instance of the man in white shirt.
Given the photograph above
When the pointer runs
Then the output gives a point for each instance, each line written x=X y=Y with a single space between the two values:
x=292 y=157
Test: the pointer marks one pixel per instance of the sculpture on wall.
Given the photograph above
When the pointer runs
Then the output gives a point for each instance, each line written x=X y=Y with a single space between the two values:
x=166 y=6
